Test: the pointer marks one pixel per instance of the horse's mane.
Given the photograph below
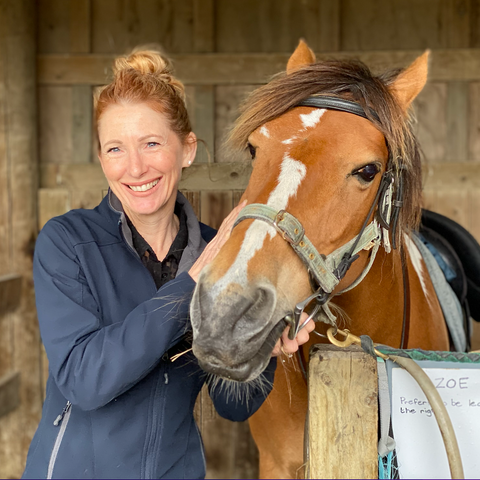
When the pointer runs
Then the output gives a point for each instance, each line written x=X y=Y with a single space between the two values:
x=350 y=79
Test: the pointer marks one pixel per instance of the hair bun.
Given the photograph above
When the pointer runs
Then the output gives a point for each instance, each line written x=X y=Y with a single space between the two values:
x=149 y=61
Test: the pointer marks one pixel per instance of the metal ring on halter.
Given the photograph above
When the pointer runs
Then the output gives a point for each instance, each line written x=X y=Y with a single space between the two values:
x=320 y=296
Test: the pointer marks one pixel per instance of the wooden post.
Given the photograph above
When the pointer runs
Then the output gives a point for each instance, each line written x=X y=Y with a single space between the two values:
x=342 y=413
x=20 y=342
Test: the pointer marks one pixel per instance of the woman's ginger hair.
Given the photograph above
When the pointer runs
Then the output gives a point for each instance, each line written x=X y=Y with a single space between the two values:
x=146 y=76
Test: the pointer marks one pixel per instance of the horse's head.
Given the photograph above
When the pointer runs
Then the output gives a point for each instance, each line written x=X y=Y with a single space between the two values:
x=324 y=167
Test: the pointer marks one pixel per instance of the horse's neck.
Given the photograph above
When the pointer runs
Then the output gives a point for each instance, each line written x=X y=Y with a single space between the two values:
x=376 y=306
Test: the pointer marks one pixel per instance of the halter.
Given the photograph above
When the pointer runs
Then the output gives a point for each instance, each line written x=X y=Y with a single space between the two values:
x=326 y=271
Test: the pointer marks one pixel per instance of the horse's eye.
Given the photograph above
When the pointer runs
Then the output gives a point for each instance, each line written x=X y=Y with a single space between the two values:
x=252 y=150
x=367 y=173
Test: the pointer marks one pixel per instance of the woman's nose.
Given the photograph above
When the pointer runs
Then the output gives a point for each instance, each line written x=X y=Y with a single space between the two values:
x=137 y=164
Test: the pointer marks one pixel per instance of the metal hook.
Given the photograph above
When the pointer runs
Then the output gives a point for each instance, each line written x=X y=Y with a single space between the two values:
x=349 y=338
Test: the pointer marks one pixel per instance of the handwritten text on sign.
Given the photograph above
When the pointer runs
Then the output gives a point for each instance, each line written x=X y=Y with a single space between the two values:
x=420 y=448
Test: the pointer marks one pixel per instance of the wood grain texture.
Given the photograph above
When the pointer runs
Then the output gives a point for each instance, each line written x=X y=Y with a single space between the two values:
x=218 y=69
x=430 y=109
x=201 y=109
x=119 y=25
x=10 y=293
x=215 y=206
x=51 y=203
x=474 y=122
x=18 y=100
x=342 y=415
x=457 y=121
x=9 y=393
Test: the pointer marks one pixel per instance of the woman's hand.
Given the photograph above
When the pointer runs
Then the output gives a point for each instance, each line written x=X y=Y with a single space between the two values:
x=212 y=249
x=289 y=347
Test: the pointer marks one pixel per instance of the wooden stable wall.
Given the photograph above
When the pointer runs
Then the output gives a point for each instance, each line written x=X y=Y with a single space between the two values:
x=222 y=50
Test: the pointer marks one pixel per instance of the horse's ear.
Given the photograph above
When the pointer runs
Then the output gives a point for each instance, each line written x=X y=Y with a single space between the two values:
x=411 y=81
x=302 y=55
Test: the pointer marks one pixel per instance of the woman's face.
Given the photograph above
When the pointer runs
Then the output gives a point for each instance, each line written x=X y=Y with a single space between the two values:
x=142 y=157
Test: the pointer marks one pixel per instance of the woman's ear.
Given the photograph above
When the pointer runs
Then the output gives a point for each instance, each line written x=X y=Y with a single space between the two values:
x=189 y=149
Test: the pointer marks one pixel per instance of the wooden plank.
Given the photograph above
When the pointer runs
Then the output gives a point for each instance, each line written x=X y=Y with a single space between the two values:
x=218 y=69
x=203 y=26
x=55 y=124
x=215 y=206
x=201 y=108
x=53 y=26
x=18 y=55
x=474 y=121
x=342 y=413
x=80 y=15
x=396 y=24
x=329 y=25
x=9 y=393
x=473 y=220
x=194 y=200
x=457 y=121
x=474 y=15
x=430 y=109
x=228 y=100
x=82 y=119
x=10 y=293
x=211 y=177
x=235 y=176
x=120 y=25
x=51 y=203
x=456 y=23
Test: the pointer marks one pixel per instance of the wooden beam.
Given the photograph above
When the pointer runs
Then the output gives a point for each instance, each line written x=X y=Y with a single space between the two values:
x=216 y=176
x=235 y=176
x=9 y=392
x=203 y=25
x=218 y=69
x=342 y=413
x=10 y=293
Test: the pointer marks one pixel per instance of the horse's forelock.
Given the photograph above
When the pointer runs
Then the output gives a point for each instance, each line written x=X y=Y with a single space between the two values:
x=352 y=80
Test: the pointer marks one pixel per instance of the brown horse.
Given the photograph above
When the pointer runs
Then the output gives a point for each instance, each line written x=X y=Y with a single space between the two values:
x=334 y=157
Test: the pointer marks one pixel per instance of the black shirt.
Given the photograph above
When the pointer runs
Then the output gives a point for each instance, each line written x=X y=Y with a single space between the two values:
x=165 y=270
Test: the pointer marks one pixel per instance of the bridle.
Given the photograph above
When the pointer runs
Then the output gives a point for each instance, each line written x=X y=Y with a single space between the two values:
x=326 y=271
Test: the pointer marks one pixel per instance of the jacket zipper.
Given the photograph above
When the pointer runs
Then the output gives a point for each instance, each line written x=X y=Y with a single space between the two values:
x=157 y=405
x=61 y=420
x=202 y=449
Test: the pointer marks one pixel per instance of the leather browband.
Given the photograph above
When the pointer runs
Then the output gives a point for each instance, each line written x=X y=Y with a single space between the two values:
x=335 y=103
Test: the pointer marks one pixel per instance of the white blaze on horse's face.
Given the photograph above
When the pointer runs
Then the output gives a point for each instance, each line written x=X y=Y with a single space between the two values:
x=310 y=120
x=292 y=172
x=264 y=131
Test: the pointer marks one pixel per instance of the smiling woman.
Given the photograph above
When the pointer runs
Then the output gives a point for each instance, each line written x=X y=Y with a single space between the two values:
x=113 y=288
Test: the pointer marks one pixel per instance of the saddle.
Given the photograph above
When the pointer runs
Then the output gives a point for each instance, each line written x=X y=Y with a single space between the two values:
x=458 y=255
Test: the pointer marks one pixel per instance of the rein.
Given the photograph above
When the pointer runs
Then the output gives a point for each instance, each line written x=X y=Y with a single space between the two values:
x=326 y=271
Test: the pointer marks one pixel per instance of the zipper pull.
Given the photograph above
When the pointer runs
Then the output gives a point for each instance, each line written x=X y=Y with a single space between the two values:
x=64 y=411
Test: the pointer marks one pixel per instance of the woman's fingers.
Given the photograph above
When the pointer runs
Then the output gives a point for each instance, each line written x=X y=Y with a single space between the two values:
x=212 y=249
x=288 y=347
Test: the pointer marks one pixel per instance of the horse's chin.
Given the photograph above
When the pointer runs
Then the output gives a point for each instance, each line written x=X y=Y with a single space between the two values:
x=245 y=371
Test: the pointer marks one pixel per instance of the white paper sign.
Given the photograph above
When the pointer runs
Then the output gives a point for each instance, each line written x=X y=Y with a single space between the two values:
x=420 y=448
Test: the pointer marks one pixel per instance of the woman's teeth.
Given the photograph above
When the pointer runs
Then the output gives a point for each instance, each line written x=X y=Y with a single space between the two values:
x=145 y=187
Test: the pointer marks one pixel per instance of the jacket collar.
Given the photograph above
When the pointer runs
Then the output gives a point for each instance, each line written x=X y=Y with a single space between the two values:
x=196 y=243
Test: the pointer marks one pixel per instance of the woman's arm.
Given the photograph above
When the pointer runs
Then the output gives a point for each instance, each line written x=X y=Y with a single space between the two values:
x=91 y=363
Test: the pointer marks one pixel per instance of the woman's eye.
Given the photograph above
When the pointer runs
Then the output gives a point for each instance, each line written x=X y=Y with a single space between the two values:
x=152 y=144
x=113 y=150
x=252 y=150
x=367 y=173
